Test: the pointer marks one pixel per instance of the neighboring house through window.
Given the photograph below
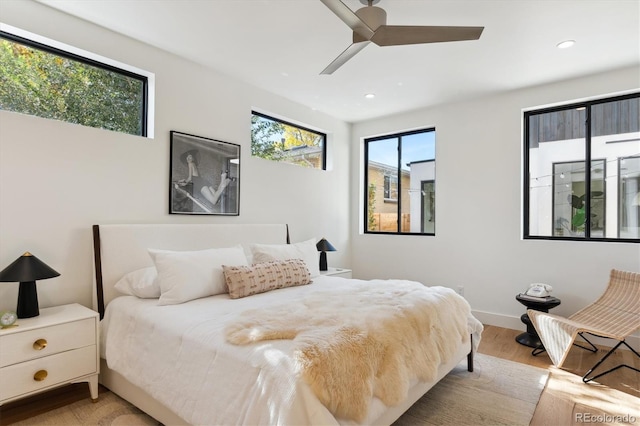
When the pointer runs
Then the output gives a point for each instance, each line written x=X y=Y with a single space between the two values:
x=582 y=171
x=400 y=183
x=48 y=79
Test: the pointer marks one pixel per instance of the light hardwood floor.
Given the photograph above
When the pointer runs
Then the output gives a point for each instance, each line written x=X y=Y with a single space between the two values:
x=565 y=400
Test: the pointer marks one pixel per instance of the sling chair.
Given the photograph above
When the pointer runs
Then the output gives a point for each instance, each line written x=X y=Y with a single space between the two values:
x=615 y=315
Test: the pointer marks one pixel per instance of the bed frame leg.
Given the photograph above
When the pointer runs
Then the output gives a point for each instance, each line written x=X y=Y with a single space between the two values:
x=470 y=357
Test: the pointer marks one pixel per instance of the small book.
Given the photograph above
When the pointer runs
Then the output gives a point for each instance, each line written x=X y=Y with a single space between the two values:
x=525 y=296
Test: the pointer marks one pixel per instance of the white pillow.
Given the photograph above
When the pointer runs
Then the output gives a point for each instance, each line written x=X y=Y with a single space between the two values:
x=141 y=283
x=305 y=250
x=188 y=275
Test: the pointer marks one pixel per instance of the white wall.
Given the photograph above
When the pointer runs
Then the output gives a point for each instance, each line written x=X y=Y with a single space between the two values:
x=478 y=241
x=57 y=179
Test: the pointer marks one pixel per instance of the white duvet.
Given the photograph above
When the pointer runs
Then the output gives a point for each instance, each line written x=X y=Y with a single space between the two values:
x=178 y=354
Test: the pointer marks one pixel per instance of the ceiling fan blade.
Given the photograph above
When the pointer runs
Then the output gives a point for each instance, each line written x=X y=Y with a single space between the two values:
x=393 y=35
x=349 y=53
x=347 y=16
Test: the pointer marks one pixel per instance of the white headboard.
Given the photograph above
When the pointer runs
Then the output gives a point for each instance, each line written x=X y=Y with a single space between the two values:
x=119 y=249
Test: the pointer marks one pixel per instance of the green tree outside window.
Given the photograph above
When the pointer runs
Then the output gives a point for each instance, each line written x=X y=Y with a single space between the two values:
x=37 y=82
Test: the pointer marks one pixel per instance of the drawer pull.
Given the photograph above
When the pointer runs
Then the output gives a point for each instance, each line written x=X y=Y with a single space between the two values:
x=40 y=344
x=40 y=375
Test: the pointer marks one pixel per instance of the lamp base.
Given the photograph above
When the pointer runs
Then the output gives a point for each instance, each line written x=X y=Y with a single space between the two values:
x=323 y=260
x=27 y=300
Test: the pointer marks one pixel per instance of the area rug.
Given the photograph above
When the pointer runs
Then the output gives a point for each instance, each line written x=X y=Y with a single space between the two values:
x=497 y=392
x=109 y=410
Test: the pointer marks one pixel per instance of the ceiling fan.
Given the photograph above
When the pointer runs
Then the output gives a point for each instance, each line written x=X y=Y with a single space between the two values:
x=369 y=24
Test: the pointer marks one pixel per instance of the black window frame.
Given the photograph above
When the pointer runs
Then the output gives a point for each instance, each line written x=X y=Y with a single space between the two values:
x=306 y=129
x=95 y=63
x=587 y=105
x=398 y=200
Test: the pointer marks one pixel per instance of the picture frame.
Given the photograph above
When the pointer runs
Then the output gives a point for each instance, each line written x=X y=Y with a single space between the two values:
x=204 y=176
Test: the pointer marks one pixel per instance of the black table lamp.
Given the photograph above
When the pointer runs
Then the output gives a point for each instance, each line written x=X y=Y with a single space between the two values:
x=26 y=270
x=323 y=247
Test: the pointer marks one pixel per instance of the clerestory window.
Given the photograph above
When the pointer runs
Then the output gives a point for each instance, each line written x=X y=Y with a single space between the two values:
x=44 y=78
x=279 y=140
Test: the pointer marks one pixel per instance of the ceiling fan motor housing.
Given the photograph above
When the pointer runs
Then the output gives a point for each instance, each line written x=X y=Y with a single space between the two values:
x=373 y=16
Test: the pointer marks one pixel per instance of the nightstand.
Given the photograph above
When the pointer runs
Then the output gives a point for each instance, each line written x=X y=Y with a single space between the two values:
x=58 y=347
x=337 y=272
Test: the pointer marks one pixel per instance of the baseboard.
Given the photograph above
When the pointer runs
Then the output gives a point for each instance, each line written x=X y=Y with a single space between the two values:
x=514 y=323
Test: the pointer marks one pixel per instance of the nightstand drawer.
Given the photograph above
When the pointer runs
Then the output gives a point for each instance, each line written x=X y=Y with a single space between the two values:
x=55 y=369
x=32 y=344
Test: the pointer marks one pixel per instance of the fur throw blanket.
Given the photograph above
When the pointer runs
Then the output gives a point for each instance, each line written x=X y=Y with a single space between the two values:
x=367 y=339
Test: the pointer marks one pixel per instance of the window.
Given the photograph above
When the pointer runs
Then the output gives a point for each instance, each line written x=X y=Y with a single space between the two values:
x=278 y=140
x=48 y=79
x=428 y=206
x=400 y=183
x=582 y=171
x=391 y=188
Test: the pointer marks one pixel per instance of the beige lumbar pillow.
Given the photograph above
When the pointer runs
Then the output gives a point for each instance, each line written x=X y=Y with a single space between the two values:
x=244 y=281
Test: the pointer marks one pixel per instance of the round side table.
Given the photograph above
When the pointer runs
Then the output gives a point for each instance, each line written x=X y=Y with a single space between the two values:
x=530 y=337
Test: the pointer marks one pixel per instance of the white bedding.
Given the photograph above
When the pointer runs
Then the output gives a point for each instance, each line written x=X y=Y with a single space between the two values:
x=178 y=354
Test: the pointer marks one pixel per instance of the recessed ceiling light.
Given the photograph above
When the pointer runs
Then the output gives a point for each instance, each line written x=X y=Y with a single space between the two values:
x=565 y=44
x=370 y=95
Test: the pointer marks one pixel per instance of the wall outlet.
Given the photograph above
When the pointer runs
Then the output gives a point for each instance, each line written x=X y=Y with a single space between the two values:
x=460 y=290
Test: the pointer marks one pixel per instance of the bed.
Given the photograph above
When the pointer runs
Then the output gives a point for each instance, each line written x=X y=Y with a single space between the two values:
x=316 y=350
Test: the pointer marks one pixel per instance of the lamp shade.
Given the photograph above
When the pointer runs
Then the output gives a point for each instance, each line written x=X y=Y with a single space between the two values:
x=324 y=245
x=26 y=270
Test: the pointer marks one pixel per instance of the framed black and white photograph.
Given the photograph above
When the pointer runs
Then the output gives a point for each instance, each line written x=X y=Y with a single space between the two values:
x=205 y=176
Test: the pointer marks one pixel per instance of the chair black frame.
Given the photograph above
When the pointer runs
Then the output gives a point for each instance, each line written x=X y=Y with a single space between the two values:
x=537 y=351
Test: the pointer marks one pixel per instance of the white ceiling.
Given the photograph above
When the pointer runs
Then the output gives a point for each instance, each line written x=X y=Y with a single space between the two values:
x=282 y=45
